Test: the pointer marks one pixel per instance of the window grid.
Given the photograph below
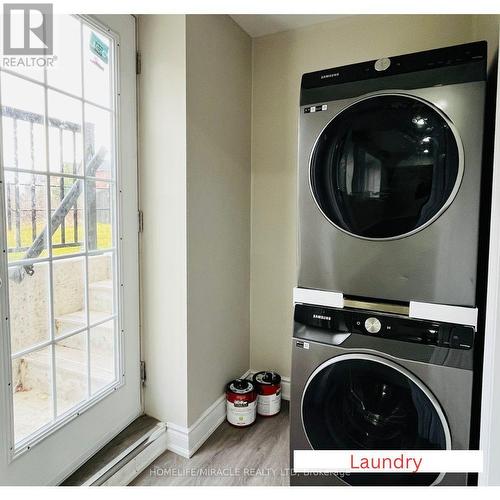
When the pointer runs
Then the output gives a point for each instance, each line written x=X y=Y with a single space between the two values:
x=52 y=341
x=55 y=258
x=55 y=89
x=57 y=174
x=84 y=167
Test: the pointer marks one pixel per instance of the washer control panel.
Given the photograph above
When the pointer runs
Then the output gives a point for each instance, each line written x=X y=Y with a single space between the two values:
x=384 y=325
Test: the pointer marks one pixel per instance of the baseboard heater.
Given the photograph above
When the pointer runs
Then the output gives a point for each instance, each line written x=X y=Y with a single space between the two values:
x=132 y=461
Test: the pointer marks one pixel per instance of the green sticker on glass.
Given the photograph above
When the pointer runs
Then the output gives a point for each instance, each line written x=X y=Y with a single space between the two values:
x=99 y=48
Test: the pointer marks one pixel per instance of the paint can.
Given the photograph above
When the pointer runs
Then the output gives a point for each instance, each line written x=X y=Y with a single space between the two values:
x=241 y=403
x=268 y=386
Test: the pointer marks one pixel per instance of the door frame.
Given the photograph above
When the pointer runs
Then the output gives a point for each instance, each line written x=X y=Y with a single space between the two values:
x=122 y=404
x=489 y=438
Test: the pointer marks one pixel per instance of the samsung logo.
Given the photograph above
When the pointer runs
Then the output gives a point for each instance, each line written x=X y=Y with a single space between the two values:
x=329 y=75
x=319 y=316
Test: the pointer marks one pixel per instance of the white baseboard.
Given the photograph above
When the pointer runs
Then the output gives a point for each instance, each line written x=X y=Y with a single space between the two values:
x=285 y=388
x=178 y=439
x=185 y=441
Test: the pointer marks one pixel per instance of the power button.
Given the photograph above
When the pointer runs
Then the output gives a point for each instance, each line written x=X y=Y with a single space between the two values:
x=373 y=325
x=382 y=64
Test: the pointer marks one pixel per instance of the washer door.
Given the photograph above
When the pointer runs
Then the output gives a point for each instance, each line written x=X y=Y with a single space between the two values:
x=386 y=166
x=365 y=402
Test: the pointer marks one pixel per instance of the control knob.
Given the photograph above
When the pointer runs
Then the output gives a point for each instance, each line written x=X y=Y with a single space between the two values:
x=373 y=325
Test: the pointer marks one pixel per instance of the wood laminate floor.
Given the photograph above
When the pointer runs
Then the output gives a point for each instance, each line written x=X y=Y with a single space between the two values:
x=255 y=456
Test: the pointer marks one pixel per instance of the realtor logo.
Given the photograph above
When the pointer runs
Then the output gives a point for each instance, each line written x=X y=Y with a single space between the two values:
x=27 y=29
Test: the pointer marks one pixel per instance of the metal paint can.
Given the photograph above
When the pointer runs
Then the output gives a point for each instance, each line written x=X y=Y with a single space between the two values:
x=268 y=386
x=241 y=403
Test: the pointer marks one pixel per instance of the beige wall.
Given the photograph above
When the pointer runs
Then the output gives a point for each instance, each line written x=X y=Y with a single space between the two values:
x=219 y=79
x=195 y=100
x=279 y=60
x=485 y=27
x=162 y=179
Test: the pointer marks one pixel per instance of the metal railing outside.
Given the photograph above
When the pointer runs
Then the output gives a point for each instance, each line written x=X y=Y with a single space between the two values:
x=24 y=206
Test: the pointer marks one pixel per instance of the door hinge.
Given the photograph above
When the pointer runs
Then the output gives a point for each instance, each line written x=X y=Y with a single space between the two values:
x=141 y=221
x=137 y=63
x=143 y=372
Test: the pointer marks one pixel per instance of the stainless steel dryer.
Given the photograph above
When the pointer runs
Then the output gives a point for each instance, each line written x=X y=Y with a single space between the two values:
x=389 y=176
x=377 y=381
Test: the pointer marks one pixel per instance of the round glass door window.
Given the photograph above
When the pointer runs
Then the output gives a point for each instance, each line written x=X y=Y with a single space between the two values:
x=385 y=167
x=363 y=402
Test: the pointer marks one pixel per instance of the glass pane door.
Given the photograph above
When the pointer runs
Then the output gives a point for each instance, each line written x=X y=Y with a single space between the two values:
x=60 y=243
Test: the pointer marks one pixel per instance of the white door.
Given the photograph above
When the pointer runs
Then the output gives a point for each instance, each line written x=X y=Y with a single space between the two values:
x=70 y=377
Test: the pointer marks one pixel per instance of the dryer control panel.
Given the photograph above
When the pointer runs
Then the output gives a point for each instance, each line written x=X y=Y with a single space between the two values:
x=443 y=66
x=384 y=325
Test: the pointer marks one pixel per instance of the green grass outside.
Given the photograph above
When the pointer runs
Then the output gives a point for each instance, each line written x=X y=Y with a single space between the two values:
x=104 y=240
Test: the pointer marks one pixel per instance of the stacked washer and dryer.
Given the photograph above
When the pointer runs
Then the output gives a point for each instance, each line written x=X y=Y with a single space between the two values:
x=385 y=314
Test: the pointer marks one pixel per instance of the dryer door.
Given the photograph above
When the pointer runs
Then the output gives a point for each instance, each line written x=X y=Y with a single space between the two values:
x=386 y=166
x=365 y=402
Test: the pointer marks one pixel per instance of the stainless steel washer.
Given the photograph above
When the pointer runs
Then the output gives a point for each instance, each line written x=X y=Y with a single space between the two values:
x=389 y=176
x=366 y=380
